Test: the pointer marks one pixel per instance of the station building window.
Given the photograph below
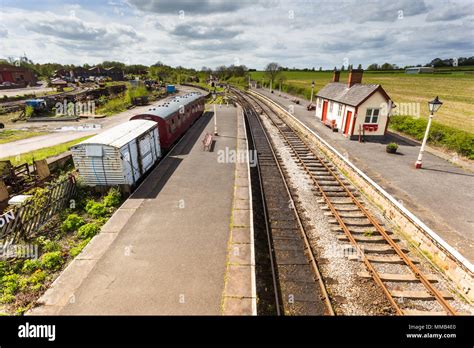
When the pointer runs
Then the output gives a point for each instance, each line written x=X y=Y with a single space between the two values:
x=372 y=115
x=330 y=106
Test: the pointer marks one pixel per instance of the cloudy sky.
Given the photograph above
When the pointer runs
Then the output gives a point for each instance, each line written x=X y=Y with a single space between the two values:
x=300 y=33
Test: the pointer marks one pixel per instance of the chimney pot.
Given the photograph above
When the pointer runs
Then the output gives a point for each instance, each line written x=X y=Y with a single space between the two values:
x=355 y=76
x=335 y=77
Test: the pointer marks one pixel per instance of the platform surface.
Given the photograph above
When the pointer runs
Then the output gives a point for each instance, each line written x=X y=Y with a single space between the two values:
x=441 y=194
x=170 y=255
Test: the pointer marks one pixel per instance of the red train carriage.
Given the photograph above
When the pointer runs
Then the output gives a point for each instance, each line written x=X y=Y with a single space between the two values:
x=175 y=117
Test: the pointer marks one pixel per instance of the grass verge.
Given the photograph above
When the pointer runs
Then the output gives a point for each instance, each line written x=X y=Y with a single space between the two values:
x=44 y=152
x=9 y=135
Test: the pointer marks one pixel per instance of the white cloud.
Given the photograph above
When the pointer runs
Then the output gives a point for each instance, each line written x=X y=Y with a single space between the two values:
x=299 y=33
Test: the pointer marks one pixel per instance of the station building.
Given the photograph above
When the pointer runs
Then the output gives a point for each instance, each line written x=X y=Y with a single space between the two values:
x=353 y=108
x=17 y=75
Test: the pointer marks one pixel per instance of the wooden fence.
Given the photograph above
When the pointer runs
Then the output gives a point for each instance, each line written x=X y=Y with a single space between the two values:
x=24 y=220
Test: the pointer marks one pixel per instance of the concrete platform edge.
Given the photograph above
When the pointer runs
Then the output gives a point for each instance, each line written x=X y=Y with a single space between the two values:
x=239 y=296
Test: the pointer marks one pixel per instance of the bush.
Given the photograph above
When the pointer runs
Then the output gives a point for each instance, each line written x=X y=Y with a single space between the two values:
x=35 y=281
x=72 y=223
x=30 y=266
x=29 y=111
x=113 y=198
x=135 y=92
x=78 y=248
x=52 y=260
x=3 y=268
x=453 y=139
x=88 y=231
x=52 y=245
x=96 y=209
x=10 y=284
x=392 y=147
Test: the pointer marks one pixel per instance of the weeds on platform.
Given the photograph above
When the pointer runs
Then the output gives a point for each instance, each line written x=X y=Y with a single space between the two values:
x=24 y=278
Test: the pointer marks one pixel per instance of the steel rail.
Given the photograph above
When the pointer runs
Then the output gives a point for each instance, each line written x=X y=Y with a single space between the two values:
x=308 y=247
x=418 y=274
x=247 y=109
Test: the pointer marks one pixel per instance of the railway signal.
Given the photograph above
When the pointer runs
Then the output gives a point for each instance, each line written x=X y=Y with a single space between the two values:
x=434 y=106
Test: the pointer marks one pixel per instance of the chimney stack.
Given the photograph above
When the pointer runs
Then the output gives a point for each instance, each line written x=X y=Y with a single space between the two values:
x=335 y=76
x=355 y=76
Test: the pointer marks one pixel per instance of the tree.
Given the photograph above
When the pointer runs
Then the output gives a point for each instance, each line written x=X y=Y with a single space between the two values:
x=359 y=67
x=112 y=64
x=320 y=68
x=373 y=66
x=342 y=67
x=386 y=66
x=272 y=70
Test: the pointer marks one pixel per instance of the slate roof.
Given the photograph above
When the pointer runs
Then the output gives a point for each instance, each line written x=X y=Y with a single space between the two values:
x=341 y=93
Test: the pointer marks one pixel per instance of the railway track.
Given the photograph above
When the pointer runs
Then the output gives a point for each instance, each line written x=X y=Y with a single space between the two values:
x=297 y=283
x=17 y=104
x=369 y=242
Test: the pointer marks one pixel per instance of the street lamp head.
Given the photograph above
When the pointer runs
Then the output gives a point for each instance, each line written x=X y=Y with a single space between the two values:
x=434 y=105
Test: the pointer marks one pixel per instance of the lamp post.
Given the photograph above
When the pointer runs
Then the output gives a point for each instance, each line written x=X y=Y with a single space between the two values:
x=434 y=105
x=215 y=114
x=312 y=92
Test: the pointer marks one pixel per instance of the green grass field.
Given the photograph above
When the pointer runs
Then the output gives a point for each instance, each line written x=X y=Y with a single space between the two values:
x=44 y=152
x=455 y=90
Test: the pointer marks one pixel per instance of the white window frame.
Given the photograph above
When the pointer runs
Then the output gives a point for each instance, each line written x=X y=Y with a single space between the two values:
x=339 y=110
x=370 y=113
x=331 y=104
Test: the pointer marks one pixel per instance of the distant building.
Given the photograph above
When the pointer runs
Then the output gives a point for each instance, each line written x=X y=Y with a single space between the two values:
x=80 y=73
x=59 y=84
x=116 y=74
x=95 y=71
x=354 y=108
x=420 y=70
x=19 y=76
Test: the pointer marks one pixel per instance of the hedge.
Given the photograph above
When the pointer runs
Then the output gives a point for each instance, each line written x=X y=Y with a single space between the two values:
x=440 y=135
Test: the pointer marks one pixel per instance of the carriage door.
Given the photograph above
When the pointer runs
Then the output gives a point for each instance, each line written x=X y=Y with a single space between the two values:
x=145 y=149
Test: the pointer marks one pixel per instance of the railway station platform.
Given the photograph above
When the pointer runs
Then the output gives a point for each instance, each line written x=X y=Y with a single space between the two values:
x=441 y=194
x=180 y=245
